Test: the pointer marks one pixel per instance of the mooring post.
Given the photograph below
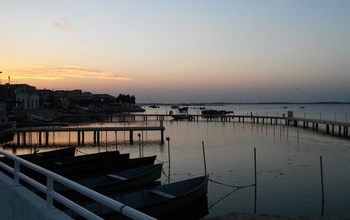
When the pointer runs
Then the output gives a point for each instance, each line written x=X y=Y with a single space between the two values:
x=82 y=138
x=205 y=163
x=47 y=138
x=24 y=139
x=255 y=179
x=168 y=139
x=78 y=138
x=106 y=141
x=98 y=138
x=18 y=138
x=40 y=141
x=161 y=133
x=131 y=137
x=321 y=165
x=116 y=141
x=139 y=135
x=94 y=134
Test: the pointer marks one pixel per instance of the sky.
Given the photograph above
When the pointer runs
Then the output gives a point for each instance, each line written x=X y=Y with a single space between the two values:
x=180 y=51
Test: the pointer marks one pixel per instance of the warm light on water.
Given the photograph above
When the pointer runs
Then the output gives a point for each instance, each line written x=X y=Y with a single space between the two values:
x=288 y=159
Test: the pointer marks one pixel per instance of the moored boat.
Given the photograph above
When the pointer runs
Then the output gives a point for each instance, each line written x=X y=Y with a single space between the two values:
x=215 y=113
x=114 y=182
x=88 y=165
x=182 y=117
x=156 y=201
x=182 y=114
x=52 y=154
x=42 y=156
x=102 y=165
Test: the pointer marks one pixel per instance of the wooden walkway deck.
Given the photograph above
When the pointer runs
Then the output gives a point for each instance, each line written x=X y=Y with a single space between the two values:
x=21 y=133
x=331 y=127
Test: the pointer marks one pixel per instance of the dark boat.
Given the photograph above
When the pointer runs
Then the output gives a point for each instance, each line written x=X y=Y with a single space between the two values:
x=215 y=113
x=156 y=201
x=182 y=114
x=97 y=161
x=41 y=156
x=6 y=136
x=114 y=182
x=81 y=159
x=182 y=117
x=100 y=165
x=53 y=154
x=76 y=167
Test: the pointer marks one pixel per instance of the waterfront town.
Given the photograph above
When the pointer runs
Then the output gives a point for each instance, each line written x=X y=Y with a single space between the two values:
x=17 y=99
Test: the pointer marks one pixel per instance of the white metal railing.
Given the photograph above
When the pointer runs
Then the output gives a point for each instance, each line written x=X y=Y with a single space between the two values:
x=51 y=194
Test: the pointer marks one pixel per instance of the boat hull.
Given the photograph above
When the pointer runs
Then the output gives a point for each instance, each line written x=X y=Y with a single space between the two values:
x=156 y=201
x=114 y=183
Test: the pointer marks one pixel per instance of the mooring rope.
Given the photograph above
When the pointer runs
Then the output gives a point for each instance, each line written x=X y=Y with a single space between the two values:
x=224 y=184
x=162 y=161
x=80 y=151
x=212 y=205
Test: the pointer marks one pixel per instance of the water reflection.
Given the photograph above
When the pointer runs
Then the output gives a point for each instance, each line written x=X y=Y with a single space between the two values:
x=195 y=210
x=288 y=167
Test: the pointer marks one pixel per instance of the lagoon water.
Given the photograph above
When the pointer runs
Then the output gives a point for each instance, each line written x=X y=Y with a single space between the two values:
x=287 y=158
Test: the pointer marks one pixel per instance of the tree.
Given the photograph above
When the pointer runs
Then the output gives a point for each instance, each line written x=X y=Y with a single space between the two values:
x=122 y=98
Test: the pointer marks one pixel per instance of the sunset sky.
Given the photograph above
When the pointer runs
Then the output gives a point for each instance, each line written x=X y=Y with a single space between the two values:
x=181 y=51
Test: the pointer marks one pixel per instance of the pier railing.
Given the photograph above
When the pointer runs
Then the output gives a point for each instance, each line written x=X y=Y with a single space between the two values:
x=51 y=194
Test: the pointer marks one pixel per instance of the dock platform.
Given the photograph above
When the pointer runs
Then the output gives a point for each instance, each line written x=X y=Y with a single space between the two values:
x=21 y=133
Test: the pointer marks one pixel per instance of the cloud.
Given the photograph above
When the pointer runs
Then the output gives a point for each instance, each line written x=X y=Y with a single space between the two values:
x=62 y=25
x=65 y=72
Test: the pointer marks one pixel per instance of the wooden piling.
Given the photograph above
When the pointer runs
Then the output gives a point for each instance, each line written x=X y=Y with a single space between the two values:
x=322 y=187
x=255 y=180
x=47 y=138
x=205 y=163
x=131 y=137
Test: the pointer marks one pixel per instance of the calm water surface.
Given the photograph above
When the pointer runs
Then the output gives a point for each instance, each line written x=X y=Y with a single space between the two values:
x=288 y=159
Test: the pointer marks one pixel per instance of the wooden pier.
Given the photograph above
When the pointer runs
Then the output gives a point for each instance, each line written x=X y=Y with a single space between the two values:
x=331 y=127
x=43 y=133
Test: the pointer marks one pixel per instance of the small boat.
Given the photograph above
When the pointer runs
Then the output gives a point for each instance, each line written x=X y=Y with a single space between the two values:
x=6 y=136
x=156 y=201
x=52 y=154
x=114 y=182
x=38 y=118
x=182 y=117
x=82 y=166
x=154 y=106
x=94 y=164
x=182 y=114
x=102 y=166
x=81 y=159
x=136 y=109
x=46 y=155
x=215 y=113
x=183 y=110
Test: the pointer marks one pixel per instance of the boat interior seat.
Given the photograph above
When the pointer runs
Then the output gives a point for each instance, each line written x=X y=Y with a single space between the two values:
x=157 y=192
x=116 y=177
